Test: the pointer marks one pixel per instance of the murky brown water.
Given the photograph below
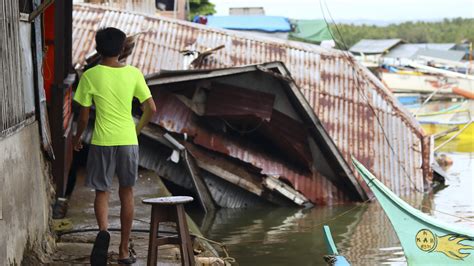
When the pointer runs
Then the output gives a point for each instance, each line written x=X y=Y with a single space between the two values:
x=281 y=236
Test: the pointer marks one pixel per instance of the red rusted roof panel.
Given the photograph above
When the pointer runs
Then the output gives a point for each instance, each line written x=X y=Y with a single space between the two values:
x=227 y=100
x=290 y=136
x=175 y=116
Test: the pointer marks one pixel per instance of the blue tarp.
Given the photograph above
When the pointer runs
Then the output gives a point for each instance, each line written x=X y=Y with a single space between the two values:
x=257 y=23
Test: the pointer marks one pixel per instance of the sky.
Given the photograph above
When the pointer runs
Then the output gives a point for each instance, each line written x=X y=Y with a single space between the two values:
x=381 y=10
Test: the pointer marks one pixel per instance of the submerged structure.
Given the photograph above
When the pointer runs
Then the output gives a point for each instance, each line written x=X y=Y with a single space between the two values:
x=303 y=129
x=247 y=127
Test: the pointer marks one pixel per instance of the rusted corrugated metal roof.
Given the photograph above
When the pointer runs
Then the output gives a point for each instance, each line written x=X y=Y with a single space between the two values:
x=343 y=95
x=176 y=116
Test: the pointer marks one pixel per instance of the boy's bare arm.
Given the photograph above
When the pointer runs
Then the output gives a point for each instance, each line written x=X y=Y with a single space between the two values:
x=81 y=126
x=149 y=109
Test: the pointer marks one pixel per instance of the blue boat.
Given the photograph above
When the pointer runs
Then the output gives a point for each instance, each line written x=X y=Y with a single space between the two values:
x=333 y=258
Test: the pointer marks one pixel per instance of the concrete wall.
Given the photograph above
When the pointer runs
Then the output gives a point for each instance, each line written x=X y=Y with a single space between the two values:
x=25 y=207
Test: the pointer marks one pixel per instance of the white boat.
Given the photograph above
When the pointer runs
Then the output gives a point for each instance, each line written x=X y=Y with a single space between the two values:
x=418 y=82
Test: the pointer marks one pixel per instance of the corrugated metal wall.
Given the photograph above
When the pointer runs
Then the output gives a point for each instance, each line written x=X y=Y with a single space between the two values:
x=358 y=112
x=12 y=104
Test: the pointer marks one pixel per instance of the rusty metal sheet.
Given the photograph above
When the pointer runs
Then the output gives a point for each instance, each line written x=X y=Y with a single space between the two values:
x=327 y=158
x=174 y=116
x=359 y=113
x=230 y=101
x=290 y=136
x=239 y=105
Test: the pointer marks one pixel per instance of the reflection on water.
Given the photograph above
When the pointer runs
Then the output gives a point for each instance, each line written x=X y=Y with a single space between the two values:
x=458 y=198
x=283 y=236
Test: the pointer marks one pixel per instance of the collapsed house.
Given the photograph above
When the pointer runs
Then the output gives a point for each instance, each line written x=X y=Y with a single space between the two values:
x=248 y=128
x=341 y=110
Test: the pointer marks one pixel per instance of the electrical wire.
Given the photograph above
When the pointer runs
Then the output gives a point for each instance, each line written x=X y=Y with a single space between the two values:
x=358 y=87
x=242 y=132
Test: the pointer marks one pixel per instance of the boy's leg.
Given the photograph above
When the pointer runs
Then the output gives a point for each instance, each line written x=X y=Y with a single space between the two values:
x=101 y=243
x=126 y=219
x=100 y=171
x=127 y=172
x=101 y=209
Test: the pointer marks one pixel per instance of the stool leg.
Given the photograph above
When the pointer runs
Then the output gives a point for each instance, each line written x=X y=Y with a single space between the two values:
x=152 y=247
x=187 y=254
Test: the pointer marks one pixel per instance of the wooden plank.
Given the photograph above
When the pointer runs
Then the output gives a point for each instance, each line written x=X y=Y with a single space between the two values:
x=40 y=9
x=231 y=177
x=274 y=184
x=205 y=198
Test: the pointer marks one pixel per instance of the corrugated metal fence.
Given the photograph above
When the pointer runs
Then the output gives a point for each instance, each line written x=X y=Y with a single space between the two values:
x=358 y=112
x=12 y=104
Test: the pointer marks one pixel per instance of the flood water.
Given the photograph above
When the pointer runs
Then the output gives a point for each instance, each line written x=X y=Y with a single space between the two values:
x=282 y=236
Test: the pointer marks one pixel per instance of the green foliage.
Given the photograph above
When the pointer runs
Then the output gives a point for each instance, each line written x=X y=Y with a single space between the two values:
x=446 y=31
x=201 y=7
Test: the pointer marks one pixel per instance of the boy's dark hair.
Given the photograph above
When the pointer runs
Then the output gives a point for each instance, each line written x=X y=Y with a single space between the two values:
x=109 y=41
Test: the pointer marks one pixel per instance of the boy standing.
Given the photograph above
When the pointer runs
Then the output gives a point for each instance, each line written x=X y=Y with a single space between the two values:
x=111 y=86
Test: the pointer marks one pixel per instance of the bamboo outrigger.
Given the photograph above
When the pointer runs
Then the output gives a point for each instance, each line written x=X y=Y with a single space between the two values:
x=425 y=241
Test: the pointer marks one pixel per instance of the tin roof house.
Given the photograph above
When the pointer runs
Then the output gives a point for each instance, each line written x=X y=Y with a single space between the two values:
x=328 y=96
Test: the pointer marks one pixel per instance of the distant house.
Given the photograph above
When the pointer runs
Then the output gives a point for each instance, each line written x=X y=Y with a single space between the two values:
x=423 y=51
x=246 y=11
x=369 y=52
x=274 y=26
x=374 y=47
x=396 y=52
x=407 y=50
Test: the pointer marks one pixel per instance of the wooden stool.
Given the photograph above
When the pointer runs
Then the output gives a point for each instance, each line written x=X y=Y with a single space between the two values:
x=169 y=209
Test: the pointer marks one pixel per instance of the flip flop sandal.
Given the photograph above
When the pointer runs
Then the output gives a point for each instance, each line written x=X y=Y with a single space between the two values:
x=127 y=261
x=100 y=249
x=132 y=258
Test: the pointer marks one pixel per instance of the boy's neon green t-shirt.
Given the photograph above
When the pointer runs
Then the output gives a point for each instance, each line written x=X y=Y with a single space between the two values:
x=112 y=89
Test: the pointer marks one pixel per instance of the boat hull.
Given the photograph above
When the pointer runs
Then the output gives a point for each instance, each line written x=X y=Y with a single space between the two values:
x=425 y=83
x=464 y=142
x=336 y=260
x=425 y=241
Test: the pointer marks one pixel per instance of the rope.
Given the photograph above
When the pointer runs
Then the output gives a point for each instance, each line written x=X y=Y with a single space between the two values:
x=221 y=245
x=343 y=213
x=365 y=202
x=459 y=217
x=210 y=241
x=428 y=99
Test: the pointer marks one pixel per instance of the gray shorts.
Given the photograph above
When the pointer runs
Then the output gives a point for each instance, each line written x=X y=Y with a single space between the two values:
x=104 y=162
